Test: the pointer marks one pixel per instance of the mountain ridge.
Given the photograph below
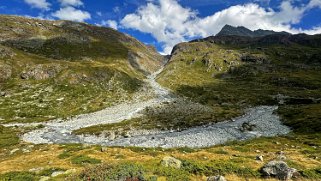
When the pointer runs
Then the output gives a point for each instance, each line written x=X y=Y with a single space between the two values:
x=229 y=30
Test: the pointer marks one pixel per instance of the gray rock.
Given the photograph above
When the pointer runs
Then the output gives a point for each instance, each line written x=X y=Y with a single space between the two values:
x=216 y=178
x=259 y=158
x=104 y=149
x=281 y=155
x=44 y=178
x=3 y=94
x=171 y=162
x=14 y=151
x=36 y=170
x=278 y=169
x=5 y=72
x=55 y=174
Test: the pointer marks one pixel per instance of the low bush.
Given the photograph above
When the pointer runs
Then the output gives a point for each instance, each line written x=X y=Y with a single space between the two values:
x=82 y=159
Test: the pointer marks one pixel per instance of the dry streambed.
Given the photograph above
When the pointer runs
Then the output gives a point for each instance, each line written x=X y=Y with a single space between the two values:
x=258 y=121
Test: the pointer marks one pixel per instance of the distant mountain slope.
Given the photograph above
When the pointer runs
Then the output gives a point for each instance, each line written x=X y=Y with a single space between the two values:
x=268 y=40
x=229 y=30
x=52 y=69
x=230 y=73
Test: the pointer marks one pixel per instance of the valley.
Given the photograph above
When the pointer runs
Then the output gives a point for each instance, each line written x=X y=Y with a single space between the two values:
x=80 y=101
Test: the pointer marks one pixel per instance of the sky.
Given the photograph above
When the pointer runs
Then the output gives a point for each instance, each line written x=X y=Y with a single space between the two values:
x=164 y=23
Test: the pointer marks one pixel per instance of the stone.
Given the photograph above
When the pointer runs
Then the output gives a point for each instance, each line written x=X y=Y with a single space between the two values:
x=44 y=178
x=57 y=173
x=259 y=158
x=281 y=155
x=14 y=150
x=70 y=171
x=36 y=170
x=278 y=169
x=112 y=136
x=127 y=135
x=216 y=178
x=104 y=149
x=24 y=150
x=169 y=161
x=3 y=94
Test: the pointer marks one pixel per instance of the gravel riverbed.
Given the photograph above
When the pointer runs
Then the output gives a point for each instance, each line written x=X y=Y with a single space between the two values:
x=264 y=121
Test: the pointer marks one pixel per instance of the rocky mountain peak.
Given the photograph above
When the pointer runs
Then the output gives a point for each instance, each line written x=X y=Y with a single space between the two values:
x=229 y=30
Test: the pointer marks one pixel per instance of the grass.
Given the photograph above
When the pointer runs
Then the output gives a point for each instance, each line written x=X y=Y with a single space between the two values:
x=90 y=66
x=8 y=137
x=234 y=159
x=82 y=159
x=18 y=176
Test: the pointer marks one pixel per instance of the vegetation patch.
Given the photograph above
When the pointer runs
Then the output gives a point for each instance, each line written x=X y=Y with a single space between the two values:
x=82 y=159
x=8 y=137
x=18 y=176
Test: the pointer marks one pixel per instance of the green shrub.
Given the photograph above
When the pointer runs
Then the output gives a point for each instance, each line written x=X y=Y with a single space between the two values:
x=121 y=171
x=172 y=174
x=312 y=173
x=49 y=171
x=64 y=155
x=82 y=159
x=18 y=176
x=217 y=168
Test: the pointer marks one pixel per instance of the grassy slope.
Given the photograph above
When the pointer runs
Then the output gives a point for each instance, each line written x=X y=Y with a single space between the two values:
x=91 y=68
x=234 y=160
x=246 y=84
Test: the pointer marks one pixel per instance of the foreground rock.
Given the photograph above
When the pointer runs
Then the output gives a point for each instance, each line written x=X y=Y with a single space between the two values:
x=216 y=178
x=171 y=162
x=279 y=170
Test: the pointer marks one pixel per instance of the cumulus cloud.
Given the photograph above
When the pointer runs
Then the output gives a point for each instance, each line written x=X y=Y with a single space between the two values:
x=109 y=23
x=71 y=2
x=170 y=23
x=72 y=14
x=40 y=4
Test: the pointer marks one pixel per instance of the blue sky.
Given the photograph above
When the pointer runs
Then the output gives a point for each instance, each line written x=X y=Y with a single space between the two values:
x=164 y=23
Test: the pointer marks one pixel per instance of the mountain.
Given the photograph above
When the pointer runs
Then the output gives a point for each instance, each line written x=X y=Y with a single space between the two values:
x=231 y=73
x=229 y=30
x=54 y=69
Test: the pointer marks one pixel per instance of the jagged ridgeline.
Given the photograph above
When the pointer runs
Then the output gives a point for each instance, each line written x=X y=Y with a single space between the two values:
x=54 y=69
x=240 y=68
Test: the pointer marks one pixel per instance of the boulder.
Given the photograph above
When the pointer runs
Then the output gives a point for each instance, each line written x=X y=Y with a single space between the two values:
x=5 y=72
x=216 y=178
x=171 y=162
x=104 y=149
x=278 y=169
x=41 y=72
x=3 y=94
x=246 y=126
x=44 y=178
x=259 y=158
x=57 y=173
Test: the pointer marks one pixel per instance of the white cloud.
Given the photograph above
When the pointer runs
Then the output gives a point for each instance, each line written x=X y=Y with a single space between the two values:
x=40 y=4
x=109 y=23
x=72 y=14
x=170 y=23
x=71 y=2
x=116 y=9
x=99 y=13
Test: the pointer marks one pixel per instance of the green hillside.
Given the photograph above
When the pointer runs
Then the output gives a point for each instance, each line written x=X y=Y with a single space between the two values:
x=57 y=69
